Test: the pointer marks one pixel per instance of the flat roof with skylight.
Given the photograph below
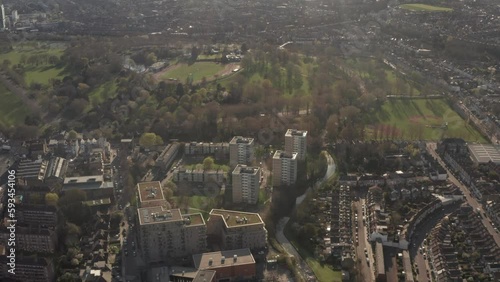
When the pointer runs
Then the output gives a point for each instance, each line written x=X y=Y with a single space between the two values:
x=296 y=132
x=284 y=155
x=150 y=191
x=484 y=153
x=237 y=218
x=245 y=169
x=241 y=140
x=223 y=259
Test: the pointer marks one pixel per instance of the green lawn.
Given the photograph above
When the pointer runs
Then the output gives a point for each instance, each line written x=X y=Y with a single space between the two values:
x=104 y=91
x=198 y=69
x=12 y=111
x=415 y=119
x=425 y=7
x=41 y=73
x=323 y=272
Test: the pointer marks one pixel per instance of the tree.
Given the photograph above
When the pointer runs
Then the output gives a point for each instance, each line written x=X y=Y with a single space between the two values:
x=208 y=163
x=244 y=48
x=72 y=229
x=51 y=199
x=149 y=139
x=151 y=59
x=72 y=135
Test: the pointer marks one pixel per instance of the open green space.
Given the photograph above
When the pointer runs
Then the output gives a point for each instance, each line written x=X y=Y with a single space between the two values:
x=323 y=271
x=12 y=110
x=425 y=7
x=198 y=70
x=420 y=119
x=103 y=92
x=42 y=71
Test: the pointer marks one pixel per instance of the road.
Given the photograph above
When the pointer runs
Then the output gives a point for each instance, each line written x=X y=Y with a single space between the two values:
x=280 y=236
x=423 y=232
x=360 y=229
x=431 y=147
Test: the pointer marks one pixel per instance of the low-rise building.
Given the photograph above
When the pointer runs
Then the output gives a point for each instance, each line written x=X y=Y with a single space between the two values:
x=94 y=186
x=199 y=175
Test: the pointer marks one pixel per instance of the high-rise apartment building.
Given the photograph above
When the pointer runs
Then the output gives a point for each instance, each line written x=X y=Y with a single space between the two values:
x=284 y=168
x=236 y=230
x=241 y=151
x=166 y=235
x=296 y=142
x=245 y=182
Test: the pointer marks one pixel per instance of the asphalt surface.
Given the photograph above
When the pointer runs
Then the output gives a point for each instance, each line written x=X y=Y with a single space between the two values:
x=431 y=147
x=364 y=267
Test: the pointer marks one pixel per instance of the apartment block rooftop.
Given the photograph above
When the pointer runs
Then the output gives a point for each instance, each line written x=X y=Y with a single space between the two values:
x=237 y=218
x=150 y=191
x=296 y=132
x=241 y=140
x=223 y=259
x=284 y=155
x=245 y=169
x=159 y=214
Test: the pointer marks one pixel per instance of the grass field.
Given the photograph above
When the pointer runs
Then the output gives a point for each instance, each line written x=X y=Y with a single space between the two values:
x=103 y=92
x=425 y=7
x=12 y=110
x=41 y=73
x=198 y=69
x=417 y=119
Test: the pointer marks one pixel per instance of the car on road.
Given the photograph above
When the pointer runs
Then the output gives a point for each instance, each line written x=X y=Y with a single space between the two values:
x=135 y=253
x=126 y=253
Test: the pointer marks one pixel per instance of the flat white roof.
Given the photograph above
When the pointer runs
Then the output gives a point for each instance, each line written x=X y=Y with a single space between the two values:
x=484 y=153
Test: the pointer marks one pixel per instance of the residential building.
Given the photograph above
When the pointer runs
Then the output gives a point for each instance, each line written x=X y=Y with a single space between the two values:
x=246 y=184
x=94 y=186
x=56 y=171
x=150 y=194
x=188 y=274
x=236 y=230
x=231 y=265
x=31 y=173
x=284 y=168
x=241 y=151
x=218 y=150
x=167 y=156
x=199 y=175
x=296 y=142
x=166 y=235
x=37 y=148
x=28 y=269
x=32 y=239
x=37 y=215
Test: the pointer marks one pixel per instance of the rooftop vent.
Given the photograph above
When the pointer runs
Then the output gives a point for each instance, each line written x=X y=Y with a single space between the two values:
x=235 y=258
x=222 y=259
x=210 y=261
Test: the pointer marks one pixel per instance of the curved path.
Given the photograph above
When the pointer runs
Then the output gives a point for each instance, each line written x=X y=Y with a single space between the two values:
x=306 y=272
